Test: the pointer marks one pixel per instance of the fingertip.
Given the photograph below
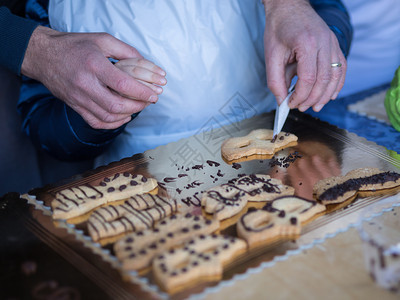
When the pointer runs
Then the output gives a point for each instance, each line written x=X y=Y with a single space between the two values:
x=318 y=107
x=303 y=108
x=153 y=98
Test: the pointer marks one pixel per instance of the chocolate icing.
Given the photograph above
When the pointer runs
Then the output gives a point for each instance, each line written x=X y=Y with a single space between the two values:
x=354 y=184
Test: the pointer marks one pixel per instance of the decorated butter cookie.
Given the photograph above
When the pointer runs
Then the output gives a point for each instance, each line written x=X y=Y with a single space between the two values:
x=137 y=249
x=279 y=219
x=363 y=182
x=304 y=209
x=261 y=226
x=200 y=259
x=76 y=201
x=226 y=200
x=113 y=220
x=259 y=141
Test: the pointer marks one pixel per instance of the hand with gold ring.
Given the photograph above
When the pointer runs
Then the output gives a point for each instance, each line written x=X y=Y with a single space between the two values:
x=298 y=42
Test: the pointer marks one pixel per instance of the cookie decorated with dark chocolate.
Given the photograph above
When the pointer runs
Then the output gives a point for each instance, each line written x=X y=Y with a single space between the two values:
x=259 y=141
x=304 y=209
x=201 y=259
x=259 y=226
x=114 y=220
x=137 y=250
x=363 y=181
x=228 y=199
x=76 y=201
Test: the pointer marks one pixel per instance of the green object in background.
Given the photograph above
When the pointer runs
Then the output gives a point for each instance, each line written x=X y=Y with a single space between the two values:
x=392 y=101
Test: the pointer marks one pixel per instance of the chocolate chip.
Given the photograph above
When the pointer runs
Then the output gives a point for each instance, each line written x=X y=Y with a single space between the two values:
x=163 y=222
x=126 y=174
x=129 y=248
x=156 y=230
x=140 y=233
x=188 y=215
x=196 y=226
x=171 y=251
x=110 y=190
x=216 y=252
x=174 y=274
x=195 y=263
x=185 y=230
x=103 y=183
x=293 y=220
x=144 y=179
x=196 y=218
x=162 y=241
x=153 y=246
x=133 y=183
x=132 y=255
x=184 y=270
x=106 y=179
x=282 y=214
x=122 y=187
x=143 y=252
x=170 y=234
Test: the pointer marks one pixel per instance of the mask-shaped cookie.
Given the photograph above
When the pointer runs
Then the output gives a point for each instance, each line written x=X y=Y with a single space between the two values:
x=303 y=209
x=76 y=201
x=117 y=219
x=365 y=181
x=258 y=141
x=261 y=226
x=200 y=259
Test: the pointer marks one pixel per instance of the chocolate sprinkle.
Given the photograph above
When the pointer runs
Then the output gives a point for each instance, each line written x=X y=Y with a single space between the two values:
x=355 y=184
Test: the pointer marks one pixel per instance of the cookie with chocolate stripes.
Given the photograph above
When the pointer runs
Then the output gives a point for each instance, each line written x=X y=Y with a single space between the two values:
x=259 y=141
x=137 y=250
x=130 y=216
x=363 y=181
x=76 y=201
x=201 y=259
x=228 y=199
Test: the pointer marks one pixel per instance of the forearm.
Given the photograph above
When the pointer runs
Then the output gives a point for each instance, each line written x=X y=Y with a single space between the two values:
x=15 y=33
x=335 y=15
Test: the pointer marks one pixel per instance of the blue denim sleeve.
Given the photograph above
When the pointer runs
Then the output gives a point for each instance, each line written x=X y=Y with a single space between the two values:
x=335 y=15
x=15 y=33
x=56 y=128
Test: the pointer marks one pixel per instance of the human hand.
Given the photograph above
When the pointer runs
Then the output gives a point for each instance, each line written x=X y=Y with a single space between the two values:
x=298 y=42
x=76 y=69
x=318 y=161
x=144 y=71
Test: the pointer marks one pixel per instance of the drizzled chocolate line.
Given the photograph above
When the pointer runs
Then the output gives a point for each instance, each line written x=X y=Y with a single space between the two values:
x=354 y=184
x=252 y=180
x=251 y=229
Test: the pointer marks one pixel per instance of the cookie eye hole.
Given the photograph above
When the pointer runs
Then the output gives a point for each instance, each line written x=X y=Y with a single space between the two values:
x=262 y=223
x=244 y=145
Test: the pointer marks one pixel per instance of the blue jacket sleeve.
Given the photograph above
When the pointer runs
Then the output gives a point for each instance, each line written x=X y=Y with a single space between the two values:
x=51 y=124
x=15 y=33
x=56 y=128
x=335 y=15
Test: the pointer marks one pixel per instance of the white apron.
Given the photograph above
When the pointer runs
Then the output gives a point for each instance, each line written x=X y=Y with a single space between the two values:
x=375 y=50
x=211 y=50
